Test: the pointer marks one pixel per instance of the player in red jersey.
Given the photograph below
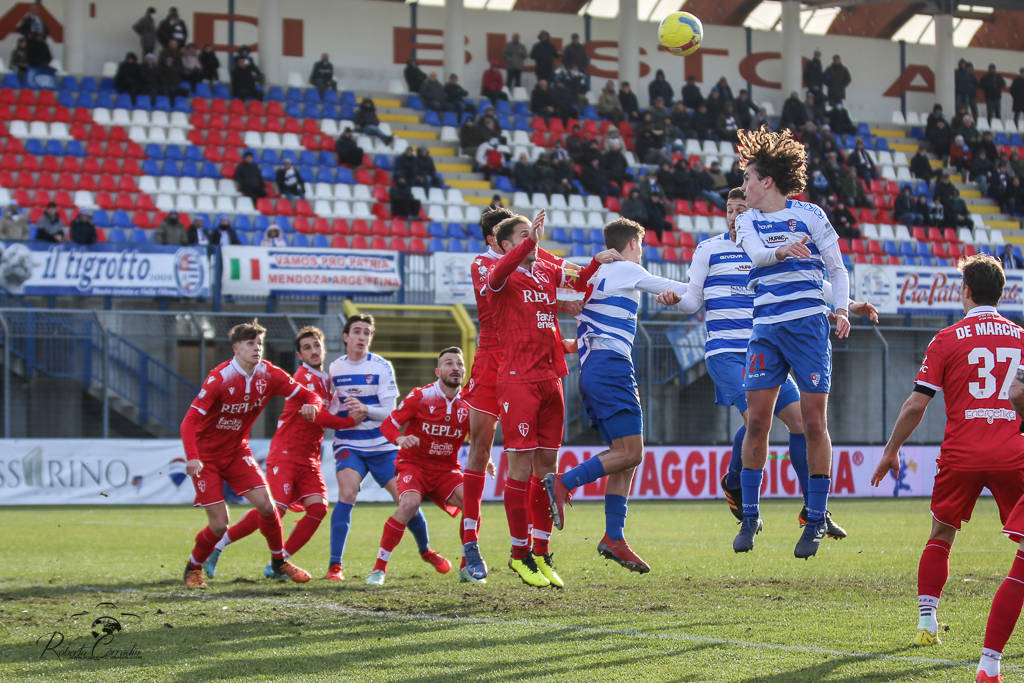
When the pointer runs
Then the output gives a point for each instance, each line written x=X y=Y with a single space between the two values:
x=437 y=422
x=529 y=387
x=973 y=362
x=480 y=393
x=215 y=434
x=293 y=465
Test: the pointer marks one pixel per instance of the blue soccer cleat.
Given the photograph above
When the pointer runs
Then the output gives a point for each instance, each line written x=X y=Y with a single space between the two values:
x=475 y=570
x=210 y=566
x=749 y=527
x=810 y=539
x=269 y=572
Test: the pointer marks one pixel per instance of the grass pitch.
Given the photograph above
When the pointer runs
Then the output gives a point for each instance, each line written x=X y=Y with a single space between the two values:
x=702 y=614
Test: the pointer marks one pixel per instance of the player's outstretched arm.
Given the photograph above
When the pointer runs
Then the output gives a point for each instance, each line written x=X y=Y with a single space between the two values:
x=910 y=416
x=507 y=264
x=324 y=418
x=391 y=427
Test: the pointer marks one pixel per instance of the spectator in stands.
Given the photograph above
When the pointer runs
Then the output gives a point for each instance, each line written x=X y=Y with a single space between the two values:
x=649 y=141
x=933 y=119
x=814 y=75
x=999 y=180
x=347 y=151
x=272 y=237
x=1017 y=93
x=862 y=162
x=322 y=75
x=541 y=101
x=936 y=212
x=13 y=224
x=146 y=28
x=718 y=182
x=492 y=83
x=196 y=234
x=82 y=230
x=818 y=186
x=965 y=86
x=488 y=122
x=367 y=122
x=514 y=54
x=544 y=53
x=1012 y=199
x=957 y=214
x=129 y=77
x=944 y=190
x=843 y=220
x=172 y=28
x=661 y=117
x=921 y=165
x=681 y=121
x=405 y=166
x=191 y=65
x=988 y=144
x=151 y=76
x=734 y=176
x=691 y=93
x=669 y=180
x=648 y=185
x=634 y=207
x=170 y=78
x=248 y=178
x=905 y=209
x=432 y=93
x=941 y=139
x=703 y=185
x=37 y=52
x=594 y=179
x=289 y=182
x=18 y=63
x=471 y=134
x=659 y=87
x=608 y=104
x=575 y=54
x=564 y=102
x=627 y=98
x=524 y=175
x=981 y=168
x=50 y=226
x=701 y=122
x=1016 y=163
x=403 y=204
x=794 y=112
x=414 y=75
x=32 y=22
x=837 y=78
x=839 y=120
x=210 y=63
x=244 y=80
x=727 y=125
x=224 y=234
x=173 y=50
x=815 y=107
x=658 y=216
x=1009 y=259
x=745 y=108
x=171 y=231
x=613 y=161
x=492 y=157
x=426 y=171
x=993 y=84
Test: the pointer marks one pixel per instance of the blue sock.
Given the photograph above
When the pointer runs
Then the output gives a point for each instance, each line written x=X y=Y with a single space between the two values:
x=798 y=459
x=817 y=497
x=587 y=471
x=614 y=515
x=732 y=477
x=750 y=480
x=341 y=520
x=418 y=526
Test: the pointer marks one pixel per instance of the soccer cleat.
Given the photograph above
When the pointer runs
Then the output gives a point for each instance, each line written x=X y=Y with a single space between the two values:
x=558 y=496
x=335 y=572
x=925 y=637
x=376 y=578
x=983 y=677
x=210 y=566
x=269 y=572
x=619 y=551
x=832 y=530
x=527 y=570
x=749 y=527
x=546 y=564
x=466 y=575
x=475 y=565
x=194 y=578
x=441 y=564
x=735 y=499
x=809 y=541
x=286 y=568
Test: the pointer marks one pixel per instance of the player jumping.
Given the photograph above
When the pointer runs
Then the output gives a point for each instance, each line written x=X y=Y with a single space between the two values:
x=215 y=433
x=973 y=362
x=428 y=459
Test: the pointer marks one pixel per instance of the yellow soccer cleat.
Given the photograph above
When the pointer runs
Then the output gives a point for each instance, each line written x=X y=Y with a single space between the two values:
x=527 y=570
x=546 y=565
x=925 y=637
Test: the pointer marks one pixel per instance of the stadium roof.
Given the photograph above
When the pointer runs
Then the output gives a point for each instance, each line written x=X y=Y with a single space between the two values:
x=995 y=24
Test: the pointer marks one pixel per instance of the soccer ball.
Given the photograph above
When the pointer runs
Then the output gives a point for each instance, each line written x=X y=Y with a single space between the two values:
x=681 y=33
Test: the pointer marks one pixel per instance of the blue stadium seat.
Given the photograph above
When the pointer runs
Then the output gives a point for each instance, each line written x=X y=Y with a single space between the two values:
x=34 y=146
x=907 y=250
x=101 y=218
x=210 y=170
x=559 y=234
x=203 y=90
x=848 y=261
x=502 y=183
x=917 y=132
x=66 y=98
x=190 y=169
x=85 y=99
x=289 y=154
x=284 y=223
x=504 y=120
x=307 y=174
x=260 y=224
x=882 y=144
x=448 y=119
x=597 y=237
x=927 y=261
x=300 y=240
x=121 y=219
x=890 y=248
x=923 y=249
x=193 y=153
x=173 y=152
x=325 y=174
x=503 y=107
x=221 y=90
x=329 y=111
x=74 y=148
x=330 y=97
x=170 y=168
x=117 y=235
x=267 y=171
x=432 y=119
x=162 y=103
x=154 y=151
x=106 y=100
x=345 y=175
x=436 y=229
x=269 y=156
x=88 y=84
x=1001 y=138
x=984 y=249
x=320 y=241
x=325 y=157
x=182 y=104
x=521 y=109
x=138 y=236
x=522 y=123
x=348 y=97
x=383 y=161
x=293 y=95
x=242 y=222
x=579 y=250
x=579 y=236
x=863 y=130
x=307 y=157
x=243 y=239
x=141 y=102
x=206 y=218
x=347 y=112
x=293 y=109
x=652 y=254
x=413 y=101
x=311 y=95
x=922 y=189
x=311 y=110
x=54 y=148
x=107 y=84
x=455 y=230
x=436 y=245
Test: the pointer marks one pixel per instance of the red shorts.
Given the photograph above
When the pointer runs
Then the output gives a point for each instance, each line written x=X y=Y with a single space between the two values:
x=480 y=392
x=532 y=415
x=956 y=491
x=435 y=485
x=239 y=471
x=291 y=480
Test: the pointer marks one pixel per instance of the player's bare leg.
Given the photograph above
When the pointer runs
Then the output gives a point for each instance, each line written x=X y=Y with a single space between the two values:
x=760 y=407
x=341 y=520
x=545 y=462
x=517 y=499
x=481 y=438
x=270 y=527
x=813 y=408
x=932 y=572
x=217 y=521
x=394 y=529
x=429 y=555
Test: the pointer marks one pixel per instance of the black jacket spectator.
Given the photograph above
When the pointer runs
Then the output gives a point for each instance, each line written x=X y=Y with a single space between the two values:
x=627 y=98
x=349 y=153
x=172 y=28
x=37 y=52
x=82 y=229
x=18 y=62
x=1009 y=259
x=692 y=96
x=524 y=175
x=426 y=171
x=544 y=53
x=432 y=93
x=542 y=102
x=196 y=234
x=659 y=87
x=993 y=84
x=33 y=23
x=322 y=75
x=129 y=76
x=1017 y=93
x=965 y=85
x=844 y=221
x=634 y=208
x=514 y=54
x=146 y=28
x=210 y=63
x=170 y=77
x=814 y=74
x=614 y=163
x=289 y=182
x=405 y=165
x=414 y=75
x=920 y=166
x=50 y=227
x=455 y=95
x=595 y=179
x=745 y=109
x=244 y=80
x=249 y=179
x=837 y=78
x=224 y=234
x=402 y=202
x=575 y=54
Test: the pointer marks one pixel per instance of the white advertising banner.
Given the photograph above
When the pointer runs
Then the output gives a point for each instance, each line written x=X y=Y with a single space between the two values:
x=136 y=471
x=453 y=283
x=262 y=271
x=913 y=289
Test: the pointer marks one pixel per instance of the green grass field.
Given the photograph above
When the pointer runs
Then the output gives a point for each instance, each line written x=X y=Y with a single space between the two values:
x=702 y=614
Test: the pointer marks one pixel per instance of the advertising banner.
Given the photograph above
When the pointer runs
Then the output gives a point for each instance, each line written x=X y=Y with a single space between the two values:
x=915 y=289
x=152 y=471
x=262 y=271
x=452 y=281
x=141 y=270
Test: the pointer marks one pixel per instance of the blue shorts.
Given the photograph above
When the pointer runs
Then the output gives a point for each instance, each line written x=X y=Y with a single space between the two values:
x=610 y=395
x=380 y=465
x=801 y=346
x=726 y=370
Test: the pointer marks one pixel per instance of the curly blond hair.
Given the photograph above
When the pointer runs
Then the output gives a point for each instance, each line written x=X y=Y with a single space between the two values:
x=777 y=155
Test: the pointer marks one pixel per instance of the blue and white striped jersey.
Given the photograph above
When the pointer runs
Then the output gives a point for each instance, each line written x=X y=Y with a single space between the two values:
x=793 y=288
x=372 y=381
x=719 y=273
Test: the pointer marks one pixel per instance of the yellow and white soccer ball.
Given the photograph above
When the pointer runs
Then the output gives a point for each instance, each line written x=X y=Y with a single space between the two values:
x=681 y=33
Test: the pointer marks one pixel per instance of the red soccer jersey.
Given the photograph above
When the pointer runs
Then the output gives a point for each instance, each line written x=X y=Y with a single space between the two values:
x=296 y=438
x=973 y=362
x=524 y=299
x=218 y=421
x=440 y=423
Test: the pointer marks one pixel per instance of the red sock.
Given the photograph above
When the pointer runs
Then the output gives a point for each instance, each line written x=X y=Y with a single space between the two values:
x=1006 y=607
x=933 y=569
x=249 y=522
x=472 y=494
x=393 y=530
x=205 y=540
x=305 y=528
x=540 y=516
x=270 y=527
x=515 y=510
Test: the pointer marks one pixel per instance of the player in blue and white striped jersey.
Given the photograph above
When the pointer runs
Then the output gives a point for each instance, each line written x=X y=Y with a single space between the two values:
x=791 y=245
x=364 y=385
x=604 y=336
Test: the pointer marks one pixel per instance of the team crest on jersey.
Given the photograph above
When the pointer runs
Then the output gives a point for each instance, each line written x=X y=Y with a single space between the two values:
x=202 y=392
x=201 y=485
x=407 y=478
x=792 y=224
x=482 y=270
x=209 y=379
x=505 y=406
x=287 y=489
x=275 y=469
x=231 y=390
x=815 y=378
x=524 y=428
x=261 y=386
x=369 y=379
x=431 y=409
x=471 y=383
x=541 y=276
x=462 y=414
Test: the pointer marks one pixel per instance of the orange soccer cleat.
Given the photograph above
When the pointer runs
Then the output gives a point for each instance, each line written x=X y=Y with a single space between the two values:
x=296 y=574
x=619 y=551
x=441 y=564
x=335 y=572
x=983 y=677
x=194 y=578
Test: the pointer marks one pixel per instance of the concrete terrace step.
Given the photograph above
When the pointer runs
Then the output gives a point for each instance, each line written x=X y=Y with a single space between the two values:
x=470 y=184
x=1003 y=224
x=455 y=168
x=903 y=147
x=888 y=132
x=415 y=134
x=398 y=118
x=970 y=193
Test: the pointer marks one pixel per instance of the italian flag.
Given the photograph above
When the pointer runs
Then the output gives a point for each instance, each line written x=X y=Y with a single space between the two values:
x=240 y=271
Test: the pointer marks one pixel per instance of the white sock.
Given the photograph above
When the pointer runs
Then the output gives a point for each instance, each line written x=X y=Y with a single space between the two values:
x=926 y=606
x=990 y=660
x=223 y=542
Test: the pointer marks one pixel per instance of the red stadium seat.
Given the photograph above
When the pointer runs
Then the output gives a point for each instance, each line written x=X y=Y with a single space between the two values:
x=236 y=107
x=25 y=96
x=231 y=155
x=95 y=149
x=127 y=184
x=339 y=242
x=218 y=106
x=309 y=126
x=940 y=249
x=700 y=208
x=124 y=201
x=131 y=167
x=264 y=205
x=381 y=210
x=25 y=181
x=949 y=235
x=363 y=177
x=877 y=259
x=612 y=204
x=538 y=123
x=651 y=238
x=66 y=181
x=359 y=242
x=339 y=226
x=968 y=250
x=274 y=124
x=934 y=235
x=418 y=229
x=857 y=247
x=104 y=201
x=880 y=201
x=144 y=202
x=919 y=234
x=874 y=248
x=302 y=225
x=321 y=226
x=884 y=217
x=141 y=220
x=539 y=138
x=291 y=126
x=49 y=164
x=111 y=165
x=40 y=198
x=379 y=227
x=302 y=208
x=283 y=207
x=865 y=216
x=396 y=244
x=87 y=181
x=381 y=177
x=380 y=193
x=255 y=108
x=199 y=104
x=860 y=258
x=893 y=261
x=669 y=254
x=378 y=243
x=686 y=240
x=417 y=244
x=62 y=198
x=953 y=249
x=398 y=228
x=360 y=227
x=685 y=254
x=273 y=109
